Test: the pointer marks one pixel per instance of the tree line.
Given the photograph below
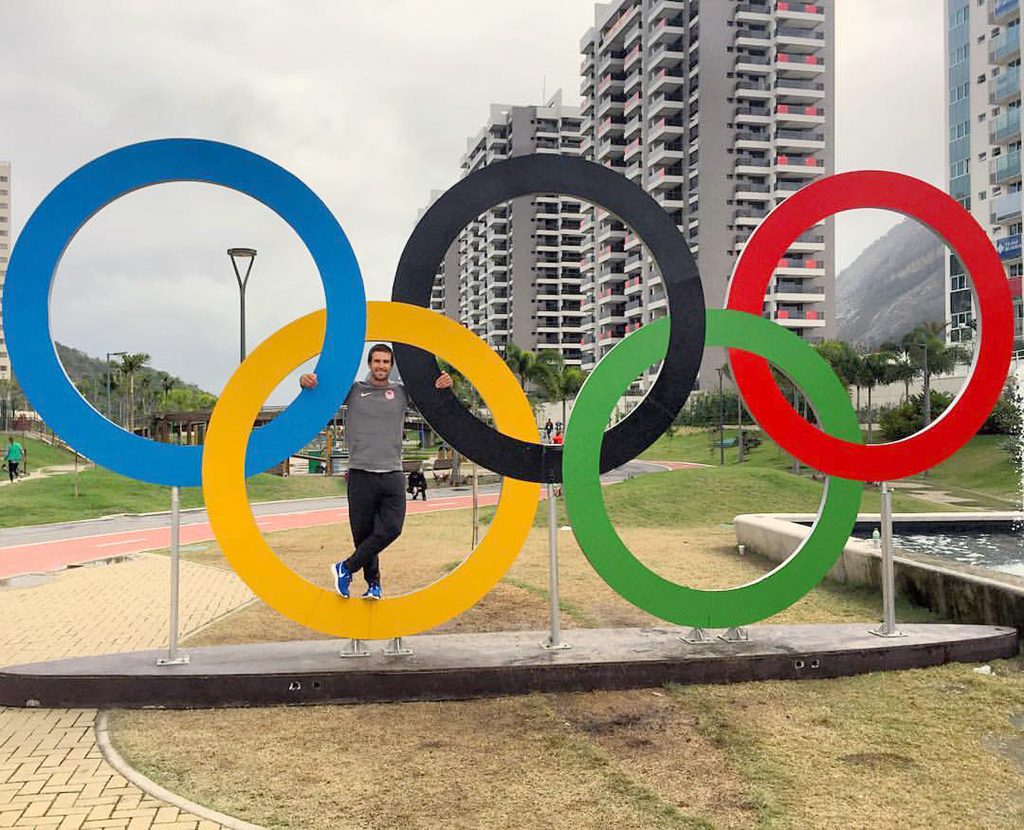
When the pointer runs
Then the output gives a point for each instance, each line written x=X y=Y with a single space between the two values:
x=920 y=354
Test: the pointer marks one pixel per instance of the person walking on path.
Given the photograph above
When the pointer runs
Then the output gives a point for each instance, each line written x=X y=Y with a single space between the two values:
x=548 y=429
x=14 y=455
x=374 y=426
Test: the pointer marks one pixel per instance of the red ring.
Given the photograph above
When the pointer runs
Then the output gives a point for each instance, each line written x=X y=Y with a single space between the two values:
x=929 y=205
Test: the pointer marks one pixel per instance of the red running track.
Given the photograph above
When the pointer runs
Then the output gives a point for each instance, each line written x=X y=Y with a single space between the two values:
x=44 y=557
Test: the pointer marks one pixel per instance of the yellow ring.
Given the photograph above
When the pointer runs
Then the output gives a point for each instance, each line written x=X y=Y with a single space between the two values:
x=256 y=563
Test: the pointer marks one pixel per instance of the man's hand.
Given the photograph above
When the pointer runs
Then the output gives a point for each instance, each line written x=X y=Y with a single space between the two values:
x=444 y=381
x=307 y=381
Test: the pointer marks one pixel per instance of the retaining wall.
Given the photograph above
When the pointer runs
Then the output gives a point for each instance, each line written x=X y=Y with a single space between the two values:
x=961 y=593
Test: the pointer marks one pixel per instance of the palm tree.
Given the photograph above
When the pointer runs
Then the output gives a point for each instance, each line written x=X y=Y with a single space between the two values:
x=926 y=347
x=130 y=364
x=876 y=369
x=563 y=384
x=845 y=362
x=901 y=368
x=167 y=383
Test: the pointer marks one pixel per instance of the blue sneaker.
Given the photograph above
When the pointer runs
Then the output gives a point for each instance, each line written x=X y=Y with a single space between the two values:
x=373 y=592
x=342 y=578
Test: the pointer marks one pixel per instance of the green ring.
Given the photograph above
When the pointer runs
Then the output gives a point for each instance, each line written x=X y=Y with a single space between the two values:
x=609 y=556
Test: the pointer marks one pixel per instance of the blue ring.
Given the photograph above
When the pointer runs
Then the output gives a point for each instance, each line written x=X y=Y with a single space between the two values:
x=34 y=261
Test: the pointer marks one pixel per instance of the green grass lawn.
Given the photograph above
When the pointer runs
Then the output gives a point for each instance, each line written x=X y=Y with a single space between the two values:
x=102 y=492
x=983 y=465
x=714 y=495
x=40 y=454
x=693 y=444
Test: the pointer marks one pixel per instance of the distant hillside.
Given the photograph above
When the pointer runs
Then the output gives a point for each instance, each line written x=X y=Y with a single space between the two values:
x=893 y=286
x=155 y=390
x=93 y=371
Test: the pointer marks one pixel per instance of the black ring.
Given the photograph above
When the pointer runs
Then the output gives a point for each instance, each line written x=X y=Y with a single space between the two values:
x=523 y=176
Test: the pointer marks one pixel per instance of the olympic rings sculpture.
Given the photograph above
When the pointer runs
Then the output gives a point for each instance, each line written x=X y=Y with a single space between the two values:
x=233 y=451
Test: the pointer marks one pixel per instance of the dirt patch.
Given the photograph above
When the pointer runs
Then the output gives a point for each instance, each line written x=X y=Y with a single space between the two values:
x=914 y=748
x=497 y=763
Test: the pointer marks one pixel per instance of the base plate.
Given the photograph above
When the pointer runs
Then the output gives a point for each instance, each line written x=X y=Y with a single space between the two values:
x=460 y=666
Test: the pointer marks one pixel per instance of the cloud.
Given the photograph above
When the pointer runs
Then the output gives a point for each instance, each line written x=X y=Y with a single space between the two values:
x=369 y=103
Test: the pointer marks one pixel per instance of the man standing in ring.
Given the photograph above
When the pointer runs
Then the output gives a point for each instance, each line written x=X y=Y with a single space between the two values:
x=374 y=421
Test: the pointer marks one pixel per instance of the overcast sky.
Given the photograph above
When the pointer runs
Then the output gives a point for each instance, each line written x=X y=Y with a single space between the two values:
x=370 y=103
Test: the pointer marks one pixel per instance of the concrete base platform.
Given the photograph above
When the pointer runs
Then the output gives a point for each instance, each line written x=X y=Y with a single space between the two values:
x=460 y=666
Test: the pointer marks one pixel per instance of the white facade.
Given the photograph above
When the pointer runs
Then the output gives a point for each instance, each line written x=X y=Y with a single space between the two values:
x=5 y=252
x=983 y=94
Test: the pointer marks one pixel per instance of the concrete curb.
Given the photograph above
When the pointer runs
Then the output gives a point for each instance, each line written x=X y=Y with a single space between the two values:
x=151 y=788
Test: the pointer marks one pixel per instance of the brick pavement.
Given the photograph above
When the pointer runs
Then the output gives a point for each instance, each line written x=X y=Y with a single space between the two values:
x=51 y=772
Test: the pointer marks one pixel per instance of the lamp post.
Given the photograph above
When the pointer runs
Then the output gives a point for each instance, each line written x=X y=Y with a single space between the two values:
x=721 y=418
x=246 y=256
x=110 y=355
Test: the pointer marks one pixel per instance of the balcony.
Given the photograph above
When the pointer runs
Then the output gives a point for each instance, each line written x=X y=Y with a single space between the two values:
x=752 y=88
x=789 y=292
x=802 y=139
x=1005 y=127
x=752 y=115
x=753 y=12
x=1005 y=208
x=797 y=13
x=1004 y=47
x=799 y=165
x=752 y=38
x=1005 y=86
x=752 y=64
x=752 y=190
x=799 y=38
x=1004 y=168
x=796 y=88
x=799 y=319
x=752 y=166
x=791 y=115
x=749 y=215
x=1002 y=11
x=797 y=63
x=751 y=139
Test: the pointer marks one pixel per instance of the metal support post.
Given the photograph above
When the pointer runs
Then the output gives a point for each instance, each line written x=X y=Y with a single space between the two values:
x=396 y=648
x=888 y=626
x=174 y=657
x=554 y=640
x=697 y=636
x=355 y=648
x=736 y=634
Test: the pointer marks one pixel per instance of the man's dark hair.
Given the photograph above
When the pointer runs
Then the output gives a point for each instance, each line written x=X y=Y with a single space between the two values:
x=379 y=347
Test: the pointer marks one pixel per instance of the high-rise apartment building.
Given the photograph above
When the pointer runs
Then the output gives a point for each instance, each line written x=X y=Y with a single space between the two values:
x=720 y=109
x=5 y=253
x=984 y=141
x=514 y=273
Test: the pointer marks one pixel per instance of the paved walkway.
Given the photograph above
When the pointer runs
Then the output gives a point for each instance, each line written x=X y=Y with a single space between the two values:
x=42 y=472
x=85 y=546
x=51 y=771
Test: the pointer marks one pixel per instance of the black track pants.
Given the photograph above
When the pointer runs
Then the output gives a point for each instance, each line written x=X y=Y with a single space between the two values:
x=376 y=513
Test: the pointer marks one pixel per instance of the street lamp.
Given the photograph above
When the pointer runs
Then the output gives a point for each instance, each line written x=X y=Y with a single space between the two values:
x=246 y=256
x=721 y=417
x=110 y=355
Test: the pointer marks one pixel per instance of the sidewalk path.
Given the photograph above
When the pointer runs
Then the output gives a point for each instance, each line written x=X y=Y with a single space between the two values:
x=45 y=557
x=48 y=548
x=51 y=771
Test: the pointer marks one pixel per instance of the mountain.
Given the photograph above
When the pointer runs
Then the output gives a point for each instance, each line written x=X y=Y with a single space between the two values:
x=82 y=367
x=155 y=390
x=895 y=284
